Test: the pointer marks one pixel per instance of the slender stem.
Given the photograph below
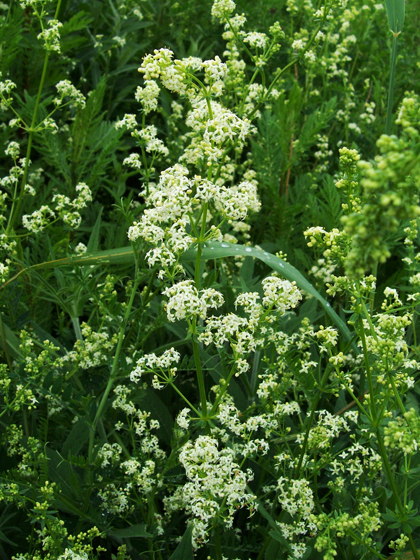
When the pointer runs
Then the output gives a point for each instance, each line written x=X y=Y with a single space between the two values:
x=217 y=543
x=353 y=535
x=200 y=376
x=372 y=293
x=175 y=388
x=391 y=86
x=14 y=214
x=197 y=359
x=5 y=347
x=76 y=327
x=114 y=369
x=394 y=488
x=223 y=391
x=369 y=374
x=310 y=420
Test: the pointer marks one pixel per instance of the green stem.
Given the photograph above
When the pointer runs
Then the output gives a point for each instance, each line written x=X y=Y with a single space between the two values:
x=217 y=544
x=353 y=535
x=175 y=388
x=310 y=420
x=391 y=86
x=200 y=376
x=372 y=406
x=76 y=327
x=223 y=391
x=394 y=488
x=197 y=359
x=14 y=214
x=114 y=369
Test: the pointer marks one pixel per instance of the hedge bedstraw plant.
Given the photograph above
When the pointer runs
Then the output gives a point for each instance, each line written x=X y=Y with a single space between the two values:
x=172 y=387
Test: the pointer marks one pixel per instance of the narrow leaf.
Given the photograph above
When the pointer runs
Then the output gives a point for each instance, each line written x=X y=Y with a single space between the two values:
x=184 y=550
x=9 y=340
x=217 y=250
x=131 y=532
x=395 y=10
x=93 y=242
x=78 y=436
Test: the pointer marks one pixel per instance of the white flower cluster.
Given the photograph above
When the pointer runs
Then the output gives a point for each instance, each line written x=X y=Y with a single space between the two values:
x=69 y=554
x=51 y=36
x=12 y=150
x=161 y=367
x=256 y=40
x=64 y=208
x=109 y=454
x=38 y=220
x=133 y=160
x=216 y=487
x=280 y=293
x=174 y=199
x=213 y=130
x=222 y=9
x=66 y=89
x=148 y=96
x=296 y=497
x=93 y=351
x=148 y=137
x=176 y=76
x=233 y=329
x=185 y=301
x=129 y=121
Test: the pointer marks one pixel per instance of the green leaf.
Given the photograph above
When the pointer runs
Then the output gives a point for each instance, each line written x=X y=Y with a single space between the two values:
x=122 y=255
x=5 y=539
x=134 y=531
x=78 y=436
x=9 y=340
x=395 y=10
x=76 y=23
x=150 y=402
x=93 y=242
x=184 y=550
x=215 y=250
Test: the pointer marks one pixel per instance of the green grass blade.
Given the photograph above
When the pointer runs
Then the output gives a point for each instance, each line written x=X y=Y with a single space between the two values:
x=395 y=10
x=125 y=255
x=216 y=250
x=122 y=255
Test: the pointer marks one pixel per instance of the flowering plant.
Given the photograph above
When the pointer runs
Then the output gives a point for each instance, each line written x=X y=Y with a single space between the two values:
x=209 y=284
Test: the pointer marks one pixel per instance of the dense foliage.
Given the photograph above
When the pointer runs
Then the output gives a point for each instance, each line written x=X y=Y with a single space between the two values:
x=210 y=279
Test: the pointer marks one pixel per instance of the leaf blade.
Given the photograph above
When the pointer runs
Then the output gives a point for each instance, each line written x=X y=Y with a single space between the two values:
x=216 y=250
x=395 y=10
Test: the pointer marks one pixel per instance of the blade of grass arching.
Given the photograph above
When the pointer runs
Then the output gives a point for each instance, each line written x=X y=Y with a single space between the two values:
x=217 y=250
x=122 y=255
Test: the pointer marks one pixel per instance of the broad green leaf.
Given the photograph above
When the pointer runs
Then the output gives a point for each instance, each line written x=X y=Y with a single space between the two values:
x=217 y=250
x=395 y=10
x=184 y=550
x=134 y=531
